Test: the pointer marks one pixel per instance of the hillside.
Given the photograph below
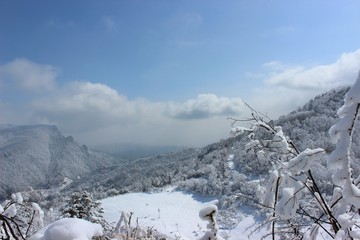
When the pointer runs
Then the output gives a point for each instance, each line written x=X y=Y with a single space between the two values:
x=226 y=169
x=40 y=154
x=33 y=156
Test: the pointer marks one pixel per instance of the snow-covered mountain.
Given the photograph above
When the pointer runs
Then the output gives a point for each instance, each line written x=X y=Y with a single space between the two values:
x=33 y=156
x=229 y=170
x=226 y=168
x=39 y=154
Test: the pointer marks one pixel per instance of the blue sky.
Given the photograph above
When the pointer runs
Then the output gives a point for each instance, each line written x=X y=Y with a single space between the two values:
x=168 y=72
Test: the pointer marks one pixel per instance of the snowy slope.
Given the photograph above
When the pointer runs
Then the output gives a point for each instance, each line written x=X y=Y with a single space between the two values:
x=228 y=171
x=209 y=171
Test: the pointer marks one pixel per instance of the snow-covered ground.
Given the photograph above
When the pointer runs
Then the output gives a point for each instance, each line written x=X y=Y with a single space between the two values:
x=173 y=213
x=247 y=229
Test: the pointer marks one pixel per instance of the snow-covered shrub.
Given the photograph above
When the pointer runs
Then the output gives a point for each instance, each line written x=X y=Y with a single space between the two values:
x=125 y=231
x=19 y=218
x=209 y=214
x=125 y=218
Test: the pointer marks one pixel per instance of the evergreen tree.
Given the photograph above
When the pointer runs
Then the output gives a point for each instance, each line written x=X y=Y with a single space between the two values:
x=83 y=205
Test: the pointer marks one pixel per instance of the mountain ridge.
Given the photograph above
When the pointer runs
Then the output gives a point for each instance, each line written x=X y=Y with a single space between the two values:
x=37 y=155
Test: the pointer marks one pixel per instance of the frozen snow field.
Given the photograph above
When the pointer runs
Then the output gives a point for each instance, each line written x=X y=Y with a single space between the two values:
x=173 y=213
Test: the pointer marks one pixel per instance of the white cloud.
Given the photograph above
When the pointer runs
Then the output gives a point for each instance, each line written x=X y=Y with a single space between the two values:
x=83 y=106
x=205 y=106
x=321 y=77
x=28 y=75
x=287 y=87
x=97 y=114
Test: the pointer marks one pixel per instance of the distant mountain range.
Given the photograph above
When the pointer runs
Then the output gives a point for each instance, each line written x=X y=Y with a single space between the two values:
x=134 y=151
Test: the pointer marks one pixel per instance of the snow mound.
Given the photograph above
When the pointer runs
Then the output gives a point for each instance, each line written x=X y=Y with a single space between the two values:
x=69 y=229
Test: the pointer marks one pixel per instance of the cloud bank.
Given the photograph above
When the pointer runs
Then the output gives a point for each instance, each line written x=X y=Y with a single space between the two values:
x=205 y=106
x=98 y=114
x=95 y=113
x=287 y=87
x=343 y=71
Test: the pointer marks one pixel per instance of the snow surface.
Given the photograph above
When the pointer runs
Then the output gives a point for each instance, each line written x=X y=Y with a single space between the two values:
x=173 y=213
x=247 y=229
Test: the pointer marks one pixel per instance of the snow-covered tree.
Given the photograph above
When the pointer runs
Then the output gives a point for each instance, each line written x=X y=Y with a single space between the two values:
x=346 y=196
x=291 y=193
x=82 y=205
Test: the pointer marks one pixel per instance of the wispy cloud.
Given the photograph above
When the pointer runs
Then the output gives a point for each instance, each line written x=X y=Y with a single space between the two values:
x=51 y=23
x=191 y=19
x=183 y=27
x=109 y=23
x=282 y=31
x=286 y=30
x=189 y=43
